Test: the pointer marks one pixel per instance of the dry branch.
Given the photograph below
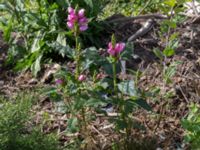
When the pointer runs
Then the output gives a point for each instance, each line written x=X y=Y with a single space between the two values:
x=146 y=28
x=129 y=19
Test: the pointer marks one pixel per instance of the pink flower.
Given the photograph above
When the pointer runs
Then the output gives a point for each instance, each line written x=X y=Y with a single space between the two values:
x=59 y=81
x=116 y=50
x=83 y=27
x=71 y=10
x=81 y=13
x=70 y=25
x=81 y=77
x=77 y=18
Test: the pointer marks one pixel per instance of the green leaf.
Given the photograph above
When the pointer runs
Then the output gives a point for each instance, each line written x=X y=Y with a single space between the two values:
x=170 y=23
x=73 y=125
x=27 y=61
x=129 y=105
x=53 y=94
x=7 y=31
x=158 y=53
x=168 y=52
x=170 y=71
x=35 y=68
x=174 y=36
x=128 y=88
x=36 y=43
x=89 y=2
x=108 y=68
x=94 y=102
x=61 y=39
x=170 y=3
x=62 y=3
x=62 y=50
x=120 y=124
x=142 y=103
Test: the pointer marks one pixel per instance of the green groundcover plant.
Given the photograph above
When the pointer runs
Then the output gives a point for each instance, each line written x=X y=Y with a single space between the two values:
x=192 y=126
x=16 y=130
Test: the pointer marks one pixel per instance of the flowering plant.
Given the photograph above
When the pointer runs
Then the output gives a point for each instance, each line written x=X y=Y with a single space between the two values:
x=114 y=49
x=77 y=22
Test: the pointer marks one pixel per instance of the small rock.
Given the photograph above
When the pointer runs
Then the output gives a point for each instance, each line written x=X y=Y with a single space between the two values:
x=33 y=81
x=1 y=83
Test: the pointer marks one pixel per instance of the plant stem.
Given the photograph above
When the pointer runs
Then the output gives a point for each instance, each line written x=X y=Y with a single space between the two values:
x=84 y=120
x=114 y=77
x=77 y=59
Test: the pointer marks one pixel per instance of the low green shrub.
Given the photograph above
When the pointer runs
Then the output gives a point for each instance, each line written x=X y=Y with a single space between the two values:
x=192 y=126
x=16 y=130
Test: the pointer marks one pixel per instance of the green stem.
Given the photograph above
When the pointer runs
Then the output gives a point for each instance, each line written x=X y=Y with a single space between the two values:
x=77 y=59
x=114 y=77
x=84 y=120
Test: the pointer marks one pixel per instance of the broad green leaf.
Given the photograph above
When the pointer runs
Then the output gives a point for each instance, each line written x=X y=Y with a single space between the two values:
x=128 y=88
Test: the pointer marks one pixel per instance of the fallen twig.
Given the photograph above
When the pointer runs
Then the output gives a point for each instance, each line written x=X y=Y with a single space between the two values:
x=146 y=28
x=149 y=16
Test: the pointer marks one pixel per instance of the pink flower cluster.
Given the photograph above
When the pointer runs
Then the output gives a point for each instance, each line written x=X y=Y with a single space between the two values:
x=116 y=49
x=77 y=18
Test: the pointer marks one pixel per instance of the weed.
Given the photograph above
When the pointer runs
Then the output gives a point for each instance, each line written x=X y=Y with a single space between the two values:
x=16 y=130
